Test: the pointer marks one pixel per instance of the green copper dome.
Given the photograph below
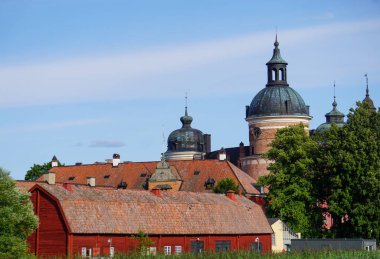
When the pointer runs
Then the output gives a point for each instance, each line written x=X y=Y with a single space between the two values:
x=186 y=138
x=277 y=100
x=333 y=117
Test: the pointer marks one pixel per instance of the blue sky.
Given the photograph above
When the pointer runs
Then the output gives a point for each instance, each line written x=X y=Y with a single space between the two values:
x=85 y=79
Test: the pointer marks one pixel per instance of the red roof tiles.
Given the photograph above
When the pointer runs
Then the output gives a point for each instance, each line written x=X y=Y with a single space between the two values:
x=135 y=174
x=129 y=211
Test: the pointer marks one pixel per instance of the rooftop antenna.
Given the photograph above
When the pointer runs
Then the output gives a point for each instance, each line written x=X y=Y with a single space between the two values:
x=334 y=90
x=367 y=91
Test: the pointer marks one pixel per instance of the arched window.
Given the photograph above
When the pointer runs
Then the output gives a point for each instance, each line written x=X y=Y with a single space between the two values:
x=274 y=74
x=282 y=77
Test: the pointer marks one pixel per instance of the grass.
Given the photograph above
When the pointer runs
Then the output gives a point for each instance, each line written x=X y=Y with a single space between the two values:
x=357 y=254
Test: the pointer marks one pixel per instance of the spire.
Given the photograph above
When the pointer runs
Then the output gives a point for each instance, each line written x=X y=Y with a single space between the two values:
x=334 y=104
x=186 y=104
x=367 y=99
x=277 y=68
x=276 y=58
x=186 y=120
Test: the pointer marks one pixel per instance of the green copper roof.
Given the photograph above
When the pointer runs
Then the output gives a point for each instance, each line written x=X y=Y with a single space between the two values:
x=276 y=58
x=186 y=138
x=277 y=100
x=333 y=117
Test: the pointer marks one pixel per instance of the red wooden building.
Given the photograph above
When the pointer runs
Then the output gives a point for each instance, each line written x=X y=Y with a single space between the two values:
x=79 y=220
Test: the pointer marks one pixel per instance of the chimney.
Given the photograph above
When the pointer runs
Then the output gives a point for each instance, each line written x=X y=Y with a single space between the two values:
x=222 y=154
x=91 y=181
x=156 y=191
x=241 y=150
x=115 y=159
x=68 y=186
x=54 y=161
x=231 y=194
x=49 y=177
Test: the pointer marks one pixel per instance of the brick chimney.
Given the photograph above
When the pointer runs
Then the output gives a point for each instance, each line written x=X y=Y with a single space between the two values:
x=241 y=150
x=49 y=177
x=115 y=160
x=91 y=181
x=156 y=191
x=231 y=194
x=222 y=154
x=68 y=186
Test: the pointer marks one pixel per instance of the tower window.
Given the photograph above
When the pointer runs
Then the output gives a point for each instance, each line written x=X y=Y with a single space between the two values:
x=274 y=74
x=282 y=74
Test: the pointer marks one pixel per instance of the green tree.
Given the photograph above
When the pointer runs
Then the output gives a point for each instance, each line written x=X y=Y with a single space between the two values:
x=225 y=185
x=17 y=219
x=291 y=194
x=339 y=169
x=37 y=171
x=144 y=242
x=353 y=155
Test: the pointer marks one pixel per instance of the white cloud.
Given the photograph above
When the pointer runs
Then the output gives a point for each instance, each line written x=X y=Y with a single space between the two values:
x=325 y=16
x=121 y=76
x=45 y=126
x=107 y=143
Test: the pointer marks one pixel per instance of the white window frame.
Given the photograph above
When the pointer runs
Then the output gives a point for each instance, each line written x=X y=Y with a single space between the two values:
x=84 y=251
x=167 y=250
x=177 y=250
x=112 y=251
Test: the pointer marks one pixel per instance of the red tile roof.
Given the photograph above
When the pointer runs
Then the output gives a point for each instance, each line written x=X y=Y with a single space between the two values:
x=135 y=174
x=129 y=211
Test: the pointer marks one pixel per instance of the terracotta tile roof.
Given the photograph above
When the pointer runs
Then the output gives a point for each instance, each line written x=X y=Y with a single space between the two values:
x=26 y=185
x=129 y=211
x=193 y=173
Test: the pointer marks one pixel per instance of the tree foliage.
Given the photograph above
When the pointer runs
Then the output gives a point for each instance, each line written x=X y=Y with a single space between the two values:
x=17 y=219
x=36 y=171
x=225 y=185
x=339 y=168
x=144 y=242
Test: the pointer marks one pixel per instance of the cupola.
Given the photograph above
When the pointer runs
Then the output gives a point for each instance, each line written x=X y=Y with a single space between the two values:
x=187 y=143
x=333 y=117
x=277 y=98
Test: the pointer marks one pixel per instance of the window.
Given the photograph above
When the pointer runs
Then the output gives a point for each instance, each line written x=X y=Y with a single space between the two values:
x=273 y=239
x=71 y=178
x=282 y=74
x=256 y=246
x=107 y=176
x=178 y=250
x=197 y=246
x=167 y=250
x=196 y=172
x=222 y=245
x=86 y=252
x=151 y=250
x=112 y=251
x=274 y=75
x=143 y=175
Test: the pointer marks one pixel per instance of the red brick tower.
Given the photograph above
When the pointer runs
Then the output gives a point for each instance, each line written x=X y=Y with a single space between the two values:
x=274 y=107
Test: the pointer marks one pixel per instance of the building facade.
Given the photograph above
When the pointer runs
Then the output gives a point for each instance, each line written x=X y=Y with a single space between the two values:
x=85 y=221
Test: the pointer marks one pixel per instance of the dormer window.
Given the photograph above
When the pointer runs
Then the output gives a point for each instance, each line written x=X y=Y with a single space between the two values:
x=106 y=176
x=71 y=178
x=209 y=184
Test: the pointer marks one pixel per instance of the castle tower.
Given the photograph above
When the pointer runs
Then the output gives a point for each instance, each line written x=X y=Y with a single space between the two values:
x=274 y=107
x=333 y=117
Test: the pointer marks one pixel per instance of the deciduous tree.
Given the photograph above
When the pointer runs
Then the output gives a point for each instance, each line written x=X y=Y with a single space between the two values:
x=17 y=219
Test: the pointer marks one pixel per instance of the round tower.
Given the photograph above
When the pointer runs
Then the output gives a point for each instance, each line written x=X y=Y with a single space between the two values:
x=274 y=107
